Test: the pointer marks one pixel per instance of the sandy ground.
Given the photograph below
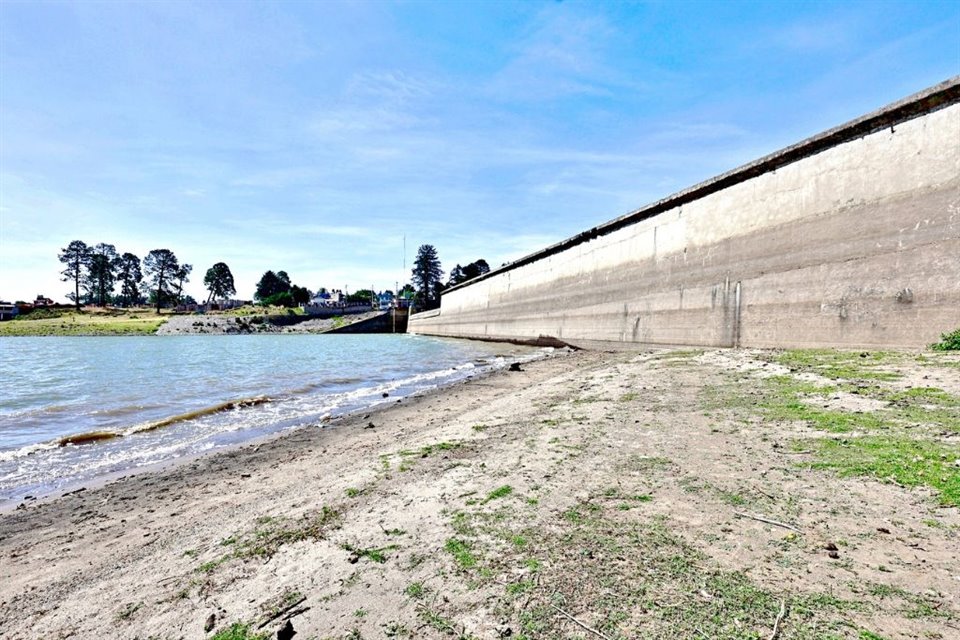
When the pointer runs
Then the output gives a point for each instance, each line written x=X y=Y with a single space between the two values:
x=594 y=495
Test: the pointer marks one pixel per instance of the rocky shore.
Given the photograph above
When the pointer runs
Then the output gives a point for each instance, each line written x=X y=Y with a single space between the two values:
x=684 y=494
x=225 y=324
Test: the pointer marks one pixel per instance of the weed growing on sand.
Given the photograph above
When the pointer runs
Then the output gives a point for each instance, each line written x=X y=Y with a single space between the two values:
x=842 y=365
x=408 y=457
x=461 y=553
x=394 y=629
x=900 y=441
x=643 y=464
x=906 y=461
x=614 y=493
x=785 y=399
x=271 y=533
x=239 y=631
x=679 y=354
x=499 y=492
x=129 y=610
x=912 y=605
x=394 y=532
x=436 y=621
x=415 y=590
x=287 y=599
x=352 y=492
x=374 y=554
x=630 y=576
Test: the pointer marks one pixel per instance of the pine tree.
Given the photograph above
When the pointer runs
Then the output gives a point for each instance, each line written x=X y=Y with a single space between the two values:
x=426 y=276
x=219 y=282
x=76 y=256
x=102 y=268
x=161 y=266
x=130 y=276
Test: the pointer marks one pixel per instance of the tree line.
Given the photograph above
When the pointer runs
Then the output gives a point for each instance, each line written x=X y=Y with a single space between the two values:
x=97 y=270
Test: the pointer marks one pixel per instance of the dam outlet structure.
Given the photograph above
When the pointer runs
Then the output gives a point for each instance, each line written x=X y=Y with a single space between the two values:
x=849 y=239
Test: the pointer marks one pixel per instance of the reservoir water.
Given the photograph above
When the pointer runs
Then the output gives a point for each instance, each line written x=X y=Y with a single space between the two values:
x=73 y=409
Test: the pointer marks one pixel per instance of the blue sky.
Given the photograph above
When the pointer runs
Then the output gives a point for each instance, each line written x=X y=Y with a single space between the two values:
x=312 y=137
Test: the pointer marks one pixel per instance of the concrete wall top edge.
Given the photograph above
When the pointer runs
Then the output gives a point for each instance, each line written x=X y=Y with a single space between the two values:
x=937 y=97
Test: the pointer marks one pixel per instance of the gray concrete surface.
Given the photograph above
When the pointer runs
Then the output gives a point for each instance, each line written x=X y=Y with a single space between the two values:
x=848 y=239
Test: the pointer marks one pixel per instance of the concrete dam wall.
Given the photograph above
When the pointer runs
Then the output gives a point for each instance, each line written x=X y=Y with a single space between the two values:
x=848 y=239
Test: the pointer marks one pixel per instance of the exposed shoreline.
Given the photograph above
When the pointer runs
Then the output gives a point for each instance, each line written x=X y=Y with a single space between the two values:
x=471 y=508
x=140 y=323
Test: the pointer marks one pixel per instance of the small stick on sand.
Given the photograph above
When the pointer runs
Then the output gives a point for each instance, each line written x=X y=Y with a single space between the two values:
x=574 y=620
x=776 y=625
x=280 y=612
x=767 y=520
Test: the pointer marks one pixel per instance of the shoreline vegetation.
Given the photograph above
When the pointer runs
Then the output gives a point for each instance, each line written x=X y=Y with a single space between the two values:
x=657 y=494
x=93 y=321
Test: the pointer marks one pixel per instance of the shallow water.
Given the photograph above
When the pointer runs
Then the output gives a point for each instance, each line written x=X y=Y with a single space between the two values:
x=137 y=401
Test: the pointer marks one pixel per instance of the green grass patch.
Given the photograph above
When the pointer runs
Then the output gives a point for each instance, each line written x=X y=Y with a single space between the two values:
x=428 y=450
x=679 y=354
x=72 y=323
x=499 y=492
x=909 y=462
x=633 y=576
x=239 y=631
x=461 y=553
x=842 y=365
x=415 y=590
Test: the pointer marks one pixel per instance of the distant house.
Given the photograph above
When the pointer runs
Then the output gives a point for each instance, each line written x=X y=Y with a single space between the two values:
x=8 y=311
x=333 y=298
x=43 y=301
x=224 y=305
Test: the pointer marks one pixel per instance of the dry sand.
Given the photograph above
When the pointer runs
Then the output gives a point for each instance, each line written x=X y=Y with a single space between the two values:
x=591 y=495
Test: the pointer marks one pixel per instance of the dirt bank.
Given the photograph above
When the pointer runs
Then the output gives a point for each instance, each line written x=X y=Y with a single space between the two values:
x=225 y=324
x=718 y=494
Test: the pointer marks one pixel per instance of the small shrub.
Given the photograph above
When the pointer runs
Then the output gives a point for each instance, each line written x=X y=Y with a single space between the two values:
x=948 y=342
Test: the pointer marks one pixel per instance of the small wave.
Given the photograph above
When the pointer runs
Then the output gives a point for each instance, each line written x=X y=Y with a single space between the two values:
x=28 y=450
x=99 y=436
x=199 y=413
